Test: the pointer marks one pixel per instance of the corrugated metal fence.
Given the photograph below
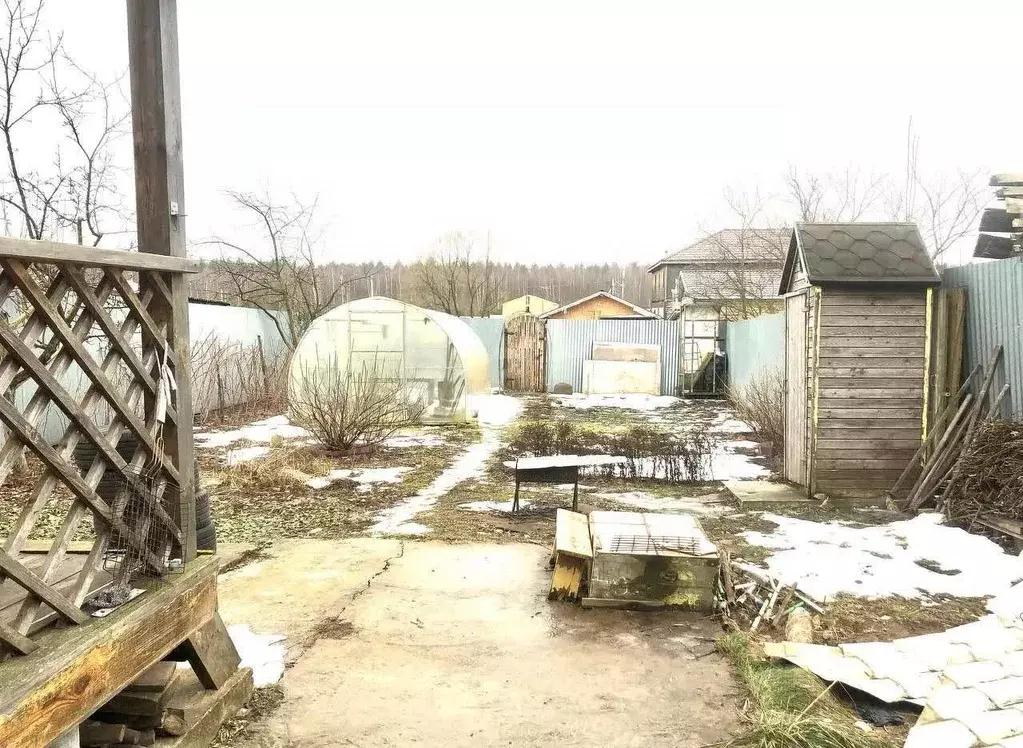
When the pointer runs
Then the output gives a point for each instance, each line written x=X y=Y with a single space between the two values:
x=570 y=342
x=994 y=314
x=491 y=331
x=753 y=346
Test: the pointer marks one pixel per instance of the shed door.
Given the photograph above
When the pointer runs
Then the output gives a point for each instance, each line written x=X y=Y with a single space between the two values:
x=524 y=354
x=796 y=310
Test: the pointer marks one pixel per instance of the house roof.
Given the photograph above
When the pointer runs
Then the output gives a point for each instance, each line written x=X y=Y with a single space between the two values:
x=640 y=311
x=841 y=253
x=743 y=280
x=730 y=245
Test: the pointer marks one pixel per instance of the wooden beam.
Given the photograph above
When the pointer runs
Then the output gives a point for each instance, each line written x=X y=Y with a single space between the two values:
x=1006 y=179
x=14 y=570
x=212 y=654
x=16 y=641
x=206 y=711
x=160 y=210
x=31 y=250
x=77 y=670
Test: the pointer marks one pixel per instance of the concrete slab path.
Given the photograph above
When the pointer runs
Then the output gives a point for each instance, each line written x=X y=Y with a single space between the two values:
x=456 y=645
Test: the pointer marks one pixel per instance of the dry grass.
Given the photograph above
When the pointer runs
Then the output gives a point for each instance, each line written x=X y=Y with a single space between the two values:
x=263 y=702
x=788 y=707
x=849 y=619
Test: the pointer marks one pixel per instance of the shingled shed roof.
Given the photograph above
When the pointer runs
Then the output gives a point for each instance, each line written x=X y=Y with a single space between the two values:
x=859 y=253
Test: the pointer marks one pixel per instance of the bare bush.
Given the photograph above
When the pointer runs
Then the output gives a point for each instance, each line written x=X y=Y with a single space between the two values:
x=761 y=404
x=650 y=453
x=361 y=403
x=228 y=375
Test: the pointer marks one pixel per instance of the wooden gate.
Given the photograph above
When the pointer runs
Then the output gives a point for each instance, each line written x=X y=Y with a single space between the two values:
x=796 y=372
x=525 y=360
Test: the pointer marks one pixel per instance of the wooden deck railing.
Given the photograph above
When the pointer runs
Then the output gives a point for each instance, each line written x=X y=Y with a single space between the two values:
x=107 y=316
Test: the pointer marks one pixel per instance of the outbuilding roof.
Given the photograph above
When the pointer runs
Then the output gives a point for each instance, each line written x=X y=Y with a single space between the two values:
x=731 y=245
x=844 y=253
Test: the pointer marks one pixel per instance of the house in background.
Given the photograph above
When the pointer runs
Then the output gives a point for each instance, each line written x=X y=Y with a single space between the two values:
x=600 y=305
x=527 y=304
x=732 y=273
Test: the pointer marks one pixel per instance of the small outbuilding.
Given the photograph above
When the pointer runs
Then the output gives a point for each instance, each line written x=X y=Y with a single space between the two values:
x=527 y=304
x=856 y=304
x=599 y=305
x=440 y=358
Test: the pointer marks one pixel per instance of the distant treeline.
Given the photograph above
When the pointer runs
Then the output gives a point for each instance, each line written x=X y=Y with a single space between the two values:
x=559 y=283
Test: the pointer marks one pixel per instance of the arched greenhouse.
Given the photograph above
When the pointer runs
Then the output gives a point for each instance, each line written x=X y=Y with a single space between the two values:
x=419 y=354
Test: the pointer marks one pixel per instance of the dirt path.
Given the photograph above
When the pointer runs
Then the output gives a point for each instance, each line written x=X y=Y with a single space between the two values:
x=457 y=646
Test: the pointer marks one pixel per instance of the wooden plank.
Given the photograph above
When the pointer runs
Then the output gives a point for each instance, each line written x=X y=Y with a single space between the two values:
x=16 y=641
x=77 y=670
x=868 y=374
x=572 y=534
x=887 y=358
x=14 y=570
x=211 y=653
x=826 y=464
x=207 y=710
x=914 y=311
x=841 y=298
x=835 y=424
x=823 y=445
x=567 y=578
x=877 y=331
x=831 y=401
x=871 y=413
x=31 y=250
x=796 y=445
x=870 y=322
x=1005 y=525
x=890 y=342
x=1006 y=179
x=909 y=393
x=883 y=477
x=156 y=679
x=135 y=703
x=913 y=381
x=864 y=432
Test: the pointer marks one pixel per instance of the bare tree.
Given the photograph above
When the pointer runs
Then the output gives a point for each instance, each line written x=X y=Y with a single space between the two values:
x=458 y=276
x=280 y=273
x=68 y=184
x=834 y=197
x=751 y=253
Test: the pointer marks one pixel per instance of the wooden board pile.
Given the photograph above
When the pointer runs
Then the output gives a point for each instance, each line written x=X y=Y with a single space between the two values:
x=951 y=436
x=750 y=598
x=138 y=714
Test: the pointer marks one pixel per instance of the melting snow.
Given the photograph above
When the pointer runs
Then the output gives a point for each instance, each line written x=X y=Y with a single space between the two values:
x=245 y=454
x=726 y=423
x=257 y=431
x=402 y=441
x=365 y=477
x=709 y=505
x=493 y=411
x=629 y=402
x=491 y=506
x=829 y=558
x=264 y=653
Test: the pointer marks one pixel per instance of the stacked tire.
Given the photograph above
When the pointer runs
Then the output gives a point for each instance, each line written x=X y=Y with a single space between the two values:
x=205 y=532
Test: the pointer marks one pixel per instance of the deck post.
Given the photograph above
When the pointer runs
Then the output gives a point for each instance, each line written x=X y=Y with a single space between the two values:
x=160 y=207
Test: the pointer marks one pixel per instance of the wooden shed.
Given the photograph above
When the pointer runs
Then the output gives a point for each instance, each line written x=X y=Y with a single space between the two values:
x=856 y=305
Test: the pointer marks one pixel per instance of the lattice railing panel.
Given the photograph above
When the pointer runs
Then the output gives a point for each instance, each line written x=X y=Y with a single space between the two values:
x=107 y=326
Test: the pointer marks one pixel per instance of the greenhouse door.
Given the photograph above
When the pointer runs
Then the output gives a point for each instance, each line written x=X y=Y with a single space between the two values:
x=524 y=354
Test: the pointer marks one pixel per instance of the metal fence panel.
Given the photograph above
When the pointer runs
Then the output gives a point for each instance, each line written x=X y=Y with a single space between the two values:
x=491 y=331
x=570 y=342
x=994 y=315
x=753 y=346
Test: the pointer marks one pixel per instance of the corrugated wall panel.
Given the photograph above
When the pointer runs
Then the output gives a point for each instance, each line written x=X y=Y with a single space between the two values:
x=994 y=315
x=753 y=346
x=570 y=342
x=491 y=332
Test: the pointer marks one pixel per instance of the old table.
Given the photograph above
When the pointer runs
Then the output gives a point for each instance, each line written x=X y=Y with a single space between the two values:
x=556 y=469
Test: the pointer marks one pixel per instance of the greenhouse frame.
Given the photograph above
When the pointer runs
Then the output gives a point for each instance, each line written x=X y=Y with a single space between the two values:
x=442 y=360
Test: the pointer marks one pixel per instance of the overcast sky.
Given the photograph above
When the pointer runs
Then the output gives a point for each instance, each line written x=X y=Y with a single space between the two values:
x=573 y=131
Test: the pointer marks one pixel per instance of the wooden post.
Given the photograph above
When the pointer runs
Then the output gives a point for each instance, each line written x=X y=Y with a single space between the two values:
x=160 y=207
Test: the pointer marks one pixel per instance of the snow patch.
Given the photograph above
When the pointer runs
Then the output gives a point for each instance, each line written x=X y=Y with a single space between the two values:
x=403 y=441
x=494 y=411
x=826 y=559
x=245 y=454
x=365 y=477
x=628 y=402
x=728 y=464
x=257 y=431
x=491 y=506
x=709 y=505
x=264 y=653
x=726 y=423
